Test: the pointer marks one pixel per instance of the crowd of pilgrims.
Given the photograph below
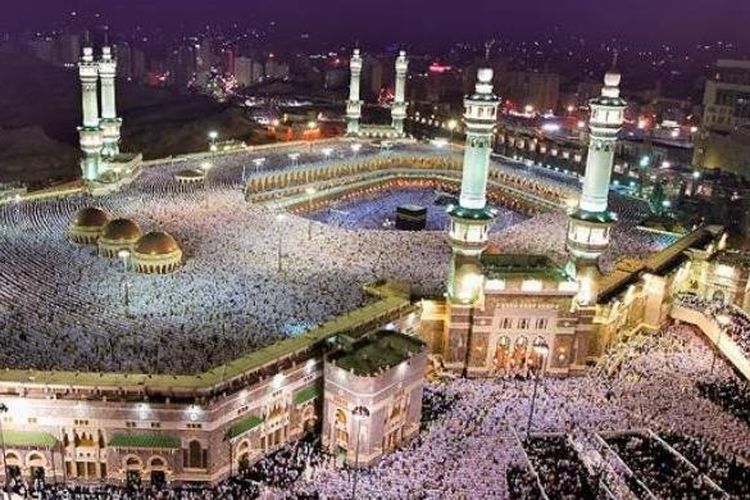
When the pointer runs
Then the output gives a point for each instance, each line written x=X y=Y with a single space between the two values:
x=734 y=322
x=229 y=295
x=473 y=441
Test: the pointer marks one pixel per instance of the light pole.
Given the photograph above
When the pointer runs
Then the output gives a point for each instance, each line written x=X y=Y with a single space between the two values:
x=356 y=148
x=280 y=219
x=258 y=162
x=212 y=136
x=452 y=124
x=310 y=192
x=124 y=256
x=542 y=349
x=3 y=411
x=206 y=166
x=293 y=157
x=359 y=413
x=311 y=126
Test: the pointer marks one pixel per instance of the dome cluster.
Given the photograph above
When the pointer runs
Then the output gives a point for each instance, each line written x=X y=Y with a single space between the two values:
x=156 y=252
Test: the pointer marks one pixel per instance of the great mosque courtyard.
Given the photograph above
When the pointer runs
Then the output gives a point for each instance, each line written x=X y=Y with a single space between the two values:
x=228 y=297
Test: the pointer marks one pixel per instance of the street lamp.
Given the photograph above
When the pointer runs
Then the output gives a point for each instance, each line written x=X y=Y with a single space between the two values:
x=293 y=157
x=355 y=148
x=258 y=162
x=452 y=124
x=206 y=166
x=310 y=192
x=212 y=136
x=3 y=411
x=542 y=350
x=359 y=413
x=124 y=256
x=280 y=219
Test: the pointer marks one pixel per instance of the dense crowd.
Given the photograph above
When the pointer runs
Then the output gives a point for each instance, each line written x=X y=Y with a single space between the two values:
x=732 y=394
x=663 y=472
x=733 y=321
x=476 y=448
x=229 y=296
x=473 y=444
x=732 y=474
x=378 y=211
x=560 y=469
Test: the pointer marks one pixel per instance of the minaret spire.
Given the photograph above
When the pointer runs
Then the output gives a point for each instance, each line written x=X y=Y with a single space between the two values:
x=110 y=123
x=398 y=109
x=90 y=133
x=589 y=226
x=354 y=104
x=471 y=219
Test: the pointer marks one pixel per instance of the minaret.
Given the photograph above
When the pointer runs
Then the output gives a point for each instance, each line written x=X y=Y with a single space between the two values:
x=471 y=219
x=90 y=133
x=589 y=226
x=398 y=109
x=354 y=104
x=110 y=123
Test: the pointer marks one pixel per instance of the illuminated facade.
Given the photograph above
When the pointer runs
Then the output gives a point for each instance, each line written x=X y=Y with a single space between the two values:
x=471 y=218
x=373 y=396
x=176 y=429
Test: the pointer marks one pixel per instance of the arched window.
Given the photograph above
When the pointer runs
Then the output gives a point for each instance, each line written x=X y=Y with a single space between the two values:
x=157 y=462
x=195 y=455
x=133 y=462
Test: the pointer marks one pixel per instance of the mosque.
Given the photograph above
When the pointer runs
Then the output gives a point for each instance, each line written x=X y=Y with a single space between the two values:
x=357 y=378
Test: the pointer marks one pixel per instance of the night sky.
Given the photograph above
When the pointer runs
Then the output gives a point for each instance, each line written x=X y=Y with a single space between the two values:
x=417 y=21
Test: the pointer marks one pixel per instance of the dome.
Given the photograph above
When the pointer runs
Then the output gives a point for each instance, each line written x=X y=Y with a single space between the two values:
x=484 y=75
x=121 y=230
x=90 y=217
x=191 y=172
x=156 y=243
x=612 y=78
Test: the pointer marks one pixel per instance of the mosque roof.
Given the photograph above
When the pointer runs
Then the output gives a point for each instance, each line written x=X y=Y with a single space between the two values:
x=90 y=217
x=382 y=350
x=157 y=243
x=471 y=213
x=121 y=230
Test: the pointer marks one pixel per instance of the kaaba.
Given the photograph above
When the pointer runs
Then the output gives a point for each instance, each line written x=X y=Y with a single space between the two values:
x=411 y=217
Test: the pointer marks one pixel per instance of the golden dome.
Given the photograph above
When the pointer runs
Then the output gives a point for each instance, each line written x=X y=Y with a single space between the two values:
x=90 y=217
x=156 y=243
x=121 y=230
x=191 y=173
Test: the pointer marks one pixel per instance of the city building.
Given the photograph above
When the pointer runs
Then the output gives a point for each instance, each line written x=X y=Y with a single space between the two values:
x=726 y=99
x=724 y=141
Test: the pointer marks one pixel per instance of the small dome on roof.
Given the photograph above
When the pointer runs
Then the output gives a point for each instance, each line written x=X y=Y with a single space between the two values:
x=121 y=230
x=156 y=243
x=90 y=217
x=612 y=78
x=484 y=75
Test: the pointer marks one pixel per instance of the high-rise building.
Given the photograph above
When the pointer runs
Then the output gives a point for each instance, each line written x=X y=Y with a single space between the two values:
x=243 y=71
x=229 y=60
x=726 y=100
x=540 y=91
x=124 y=56
x=69 y=47
x=276 y=70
